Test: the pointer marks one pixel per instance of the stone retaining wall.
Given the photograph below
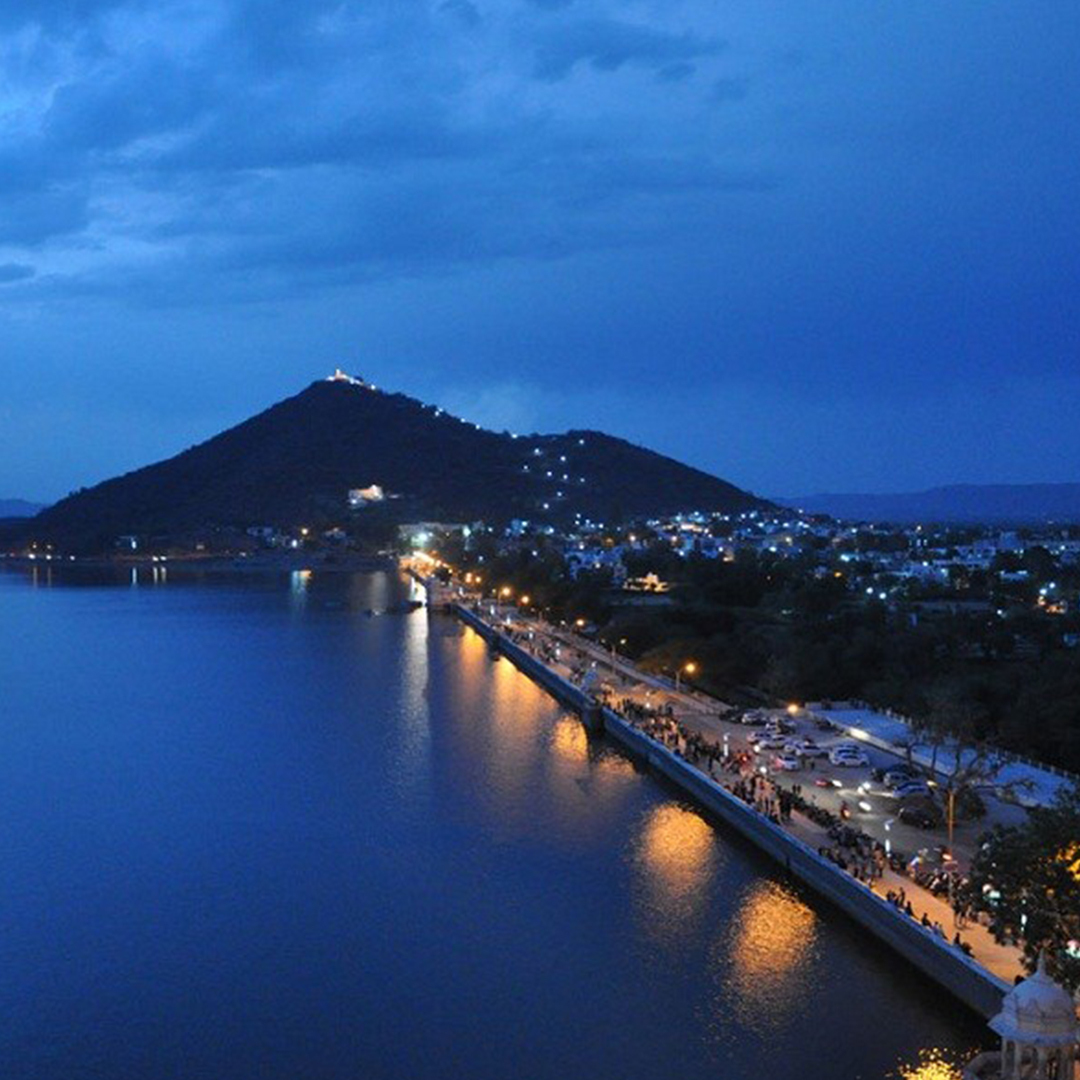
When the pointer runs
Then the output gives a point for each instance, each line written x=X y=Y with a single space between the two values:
x=945 y=964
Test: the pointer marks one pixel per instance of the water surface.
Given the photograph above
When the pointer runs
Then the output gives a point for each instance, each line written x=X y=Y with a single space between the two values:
x=249 y=830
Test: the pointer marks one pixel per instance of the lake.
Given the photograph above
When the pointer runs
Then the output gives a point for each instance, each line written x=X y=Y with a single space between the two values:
x=248 y=829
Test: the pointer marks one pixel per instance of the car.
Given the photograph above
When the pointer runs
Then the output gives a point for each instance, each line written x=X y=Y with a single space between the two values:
x=768 y=742
x=853 y=746
x=921 y=815
x=787 y=762
x=809 y=748
x=912 y=787
x=879 y=774
x=755 y=718
x=893 y=778
x=850 y=759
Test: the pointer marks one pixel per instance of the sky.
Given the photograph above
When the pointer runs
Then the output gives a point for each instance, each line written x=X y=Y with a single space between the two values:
x=829 y=246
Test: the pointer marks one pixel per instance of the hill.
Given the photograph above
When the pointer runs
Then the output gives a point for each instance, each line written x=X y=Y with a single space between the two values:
x=18 y=508
x=990 y=503
x=296 y=462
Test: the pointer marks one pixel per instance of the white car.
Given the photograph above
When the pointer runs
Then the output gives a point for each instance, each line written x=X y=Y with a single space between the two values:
x=769 y=742
x=849 y=759
x=787 y=762
x=912 y=787
x=806 y=748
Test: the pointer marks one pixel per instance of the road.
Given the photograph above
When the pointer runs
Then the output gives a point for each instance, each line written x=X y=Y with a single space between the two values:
x=572 y=657
x=827 y=785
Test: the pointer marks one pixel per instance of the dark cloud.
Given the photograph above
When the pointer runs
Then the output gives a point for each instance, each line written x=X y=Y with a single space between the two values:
x=608 y=44
x=676 y=72
x=11 y=272
x=32 y=217
x=109 y=110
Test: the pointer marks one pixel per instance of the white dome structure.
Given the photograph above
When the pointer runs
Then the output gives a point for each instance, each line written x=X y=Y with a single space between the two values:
x=1038 y=1029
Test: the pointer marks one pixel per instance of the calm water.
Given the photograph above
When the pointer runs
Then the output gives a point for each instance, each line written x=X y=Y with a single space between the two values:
x=248 y=831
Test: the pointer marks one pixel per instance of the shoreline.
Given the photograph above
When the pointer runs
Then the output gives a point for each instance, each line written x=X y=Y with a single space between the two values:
x=969 y=982
x=285 y=564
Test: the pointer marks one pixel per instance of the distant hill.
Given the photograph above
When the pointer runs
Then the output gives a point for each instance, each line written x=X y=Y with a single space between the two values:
x=992 y=503
x=296 y=462
x=18 y=508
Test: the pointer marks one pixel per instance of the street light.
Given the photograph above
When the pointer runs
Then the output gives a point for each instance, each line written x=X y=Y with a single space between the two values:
x=689 y=667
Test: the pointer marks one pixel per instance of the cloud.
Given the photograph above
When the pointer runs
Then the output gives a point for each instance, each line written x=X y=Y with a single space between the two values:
x=11 y=272
x=608 y=44
x=231 y=149
x=676 y=72
x=32 y=217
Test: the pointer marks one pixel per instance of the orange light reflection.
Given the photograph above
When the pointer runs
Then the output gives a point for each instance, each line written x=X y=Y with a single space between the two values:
x=770 y=951
x=677 y=853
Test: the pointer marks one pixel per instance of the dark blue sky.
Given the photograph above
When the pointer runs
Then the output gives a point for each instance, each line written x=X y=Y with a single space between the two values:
x=827 y=246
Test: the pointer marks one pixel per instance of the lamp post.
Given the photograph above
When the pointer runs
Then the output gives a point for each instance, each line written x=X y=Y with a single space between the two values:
x=689 y=667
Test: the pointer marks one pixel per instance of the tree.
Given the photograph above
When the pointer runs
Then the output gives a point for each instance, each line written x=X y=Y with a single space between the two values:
x=1027 y=879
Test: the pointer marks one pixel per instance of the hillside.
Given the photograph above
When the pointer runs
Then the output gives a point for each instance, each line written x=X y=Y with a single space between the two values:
x=295 y=463
x=1004 y=503
x=18 y=508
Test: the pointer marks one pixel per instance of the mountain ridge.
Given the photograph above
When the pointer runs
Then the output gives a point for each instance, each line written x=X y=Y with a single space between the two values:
x=973 y=503
x=19 y=508
x=295 y=462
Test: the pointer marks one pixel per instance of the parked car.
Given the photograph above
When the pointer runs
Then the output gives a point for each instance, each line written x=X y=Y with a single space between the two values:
x=753 y=717
x=881 y=774
x=853 y=746
x=768 y=741
x=809 y=748
x=893 y=778
x=922 y=815
x=787 y=762
x=912 y=787
x=850 y=759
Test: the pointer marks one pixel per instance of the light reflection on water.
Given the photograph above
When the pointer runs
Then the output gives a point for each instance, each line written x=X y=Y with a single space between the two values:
x=768 y=955
x=934 y=1064
x=677 y=856
x=412 y=763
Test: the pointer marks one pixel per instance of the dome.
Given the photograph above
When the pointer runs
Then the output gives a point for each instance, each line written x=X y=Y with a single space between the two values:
x=1037 y=1012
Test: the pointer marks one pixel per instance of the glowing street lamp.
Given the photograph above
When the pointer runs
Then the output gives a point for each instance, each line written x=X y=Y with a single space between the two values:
x=690 y=668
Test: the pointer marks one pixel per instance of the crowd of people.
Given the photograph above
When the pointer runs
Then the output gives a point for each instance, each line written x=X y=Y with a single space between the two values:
x=851 y=850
